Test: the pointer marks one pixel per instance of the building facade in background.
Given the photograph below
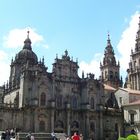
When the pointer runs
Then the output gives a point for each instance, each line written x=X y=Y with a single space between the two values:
x=133 y=80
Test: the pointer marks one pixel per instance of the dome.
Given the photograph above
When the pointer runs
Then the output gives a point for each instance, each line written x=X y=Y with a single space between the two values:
x=26 y=54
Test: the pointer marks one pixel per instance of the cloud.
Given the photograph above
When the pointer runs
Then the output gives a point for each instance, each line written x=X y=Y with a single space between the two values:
x=4 y=72
x=5 y=68
x=127 y=42
x=16 y=37
x=3 y=55
x=92 y=67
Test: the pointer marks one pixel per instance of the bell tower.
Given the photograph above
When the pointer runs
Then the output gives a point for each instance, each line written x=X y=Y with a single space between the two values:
x=134 y=64
x=110 y=70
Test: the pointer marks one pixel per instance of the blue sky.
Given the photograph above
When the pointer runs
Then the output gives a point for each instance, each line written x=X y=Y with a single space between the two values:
x=80 y=26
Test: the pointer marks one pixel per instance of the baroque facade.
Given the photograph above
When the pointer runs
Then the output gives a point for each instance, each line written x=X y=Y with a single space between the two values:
x=110 y=70
x=40 y=101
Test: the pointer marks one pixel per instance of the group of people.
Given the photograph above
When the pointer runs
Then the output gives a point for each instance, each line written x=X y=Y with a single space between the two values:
x=9 y=134
x=75 y=136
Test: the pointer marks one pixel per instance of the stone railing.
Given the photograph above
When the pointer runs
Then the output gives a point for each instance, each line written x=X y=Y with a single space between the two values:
x=38 y=136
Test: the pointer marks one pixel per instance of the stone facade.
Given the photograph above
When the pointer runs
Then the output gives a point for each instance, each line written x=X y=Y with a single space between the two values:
x=110 y=69
x=133 y=79
x=39 y=101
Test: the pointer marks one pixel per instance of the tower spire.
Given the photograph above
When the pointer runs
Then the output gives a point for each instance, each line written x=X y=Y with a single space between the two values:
x=28 y=32
x=108 y=39
x=27 y=42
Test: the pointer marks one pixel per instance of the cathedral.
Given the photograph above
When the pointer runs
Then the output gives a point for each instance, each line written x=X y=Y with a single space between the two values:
x=60 y=101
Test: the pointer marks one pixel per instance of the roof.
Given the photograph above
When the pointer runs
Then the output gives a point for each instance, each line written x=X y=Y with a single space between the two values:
x=107 y=87
x=131 y=91
x=133 y=103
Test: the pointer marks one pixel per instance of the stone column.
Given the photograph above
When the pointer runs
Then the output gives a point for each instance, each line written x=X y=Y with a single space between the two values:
x=52 y=115
x=138 y=86
x=87 y=121
x=68 y=119
x=100 y=121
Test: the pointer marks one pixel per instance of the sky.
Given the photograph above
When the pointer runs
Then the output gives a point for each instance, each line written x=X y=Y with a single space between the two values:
x=79 y=26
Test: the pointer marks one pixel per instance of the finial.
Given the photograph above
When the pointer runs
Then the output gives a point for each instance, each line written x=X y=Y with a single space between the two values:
x=43 y=60
x=28 y=33
x=71 y=58
x=12 y=60
x=83 y=74
x=66 y=53
x=76 y=60
x=56 y=56
x=108 y=34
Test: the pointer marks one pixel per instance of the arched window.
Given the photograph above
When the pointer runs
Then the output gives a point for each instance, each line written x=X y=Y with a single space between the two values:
x=75 y=124
x=74 y=102
x=92 y=126
x=43 y=99
x=116 y=75
x=92 y=103
x=0 y=124
x=59 y=101
x=42 y=126
x=105 y=74
x=111 y=75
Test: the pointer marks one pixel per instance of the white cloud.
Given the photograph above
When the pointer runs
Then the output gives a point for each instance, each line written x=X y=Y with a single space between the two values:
x=5 y=68
x=92 y=67
x=4 y=72
x=127 y=42
x=3 y=55
x=16 y=37
x=46 y=46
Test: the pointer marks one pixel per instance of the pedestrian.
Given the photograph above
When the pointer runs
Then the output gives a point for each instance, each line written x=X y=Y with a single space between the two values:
x=28 y=136
x=7 y=134
x=81 y=136
x=53 y=136
x=32 y=137
x=75 y=136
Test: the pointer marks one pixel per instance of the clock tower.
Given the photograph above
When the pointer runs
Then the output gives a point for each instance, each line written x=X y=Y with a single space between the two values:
x=110 y=74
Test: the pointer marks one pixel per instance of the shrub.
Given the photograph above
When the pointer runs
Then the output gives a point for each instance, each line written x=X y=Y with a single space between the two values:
x=132 y=137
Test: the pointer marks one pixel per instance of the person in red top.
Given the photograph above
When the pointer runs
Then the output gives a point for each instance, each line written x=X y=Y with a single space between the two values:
x=75 y=136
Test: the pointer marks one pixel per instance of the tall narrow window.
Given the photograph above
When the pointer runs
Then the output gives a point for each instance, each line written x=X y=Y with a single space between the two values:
x=43 y=99
x=111 y=75
x=132 y=118
x=92 y=103
x=1 y=124
x=74 y=102
x=59 y=101
x=92 y=126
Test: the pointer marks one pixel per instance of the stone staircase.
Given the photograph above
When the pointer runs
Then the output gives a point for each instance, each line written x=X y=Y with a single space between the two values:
x=41 y=136
x=60 y=136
